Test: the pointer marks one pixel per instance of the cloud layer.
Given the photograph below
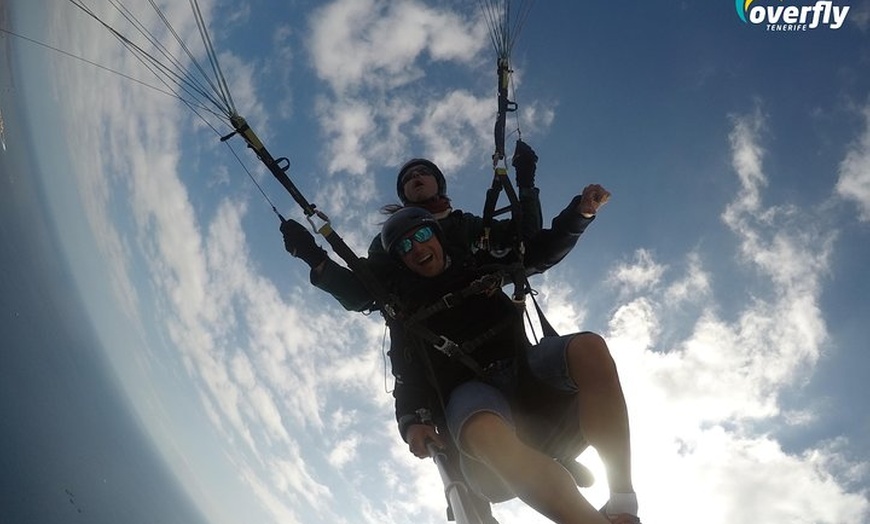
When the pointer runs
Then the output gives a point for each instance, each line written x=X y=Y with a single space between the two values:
x=294 y=387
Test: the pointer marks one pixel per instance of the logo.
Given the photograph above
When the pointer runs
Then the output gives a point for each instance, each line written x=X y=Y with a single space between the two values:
x=793 y=17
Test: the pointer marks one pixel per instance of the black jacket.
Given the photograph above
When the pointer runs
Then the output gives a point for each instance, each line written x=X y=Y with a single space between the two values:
x=419 y=383
x=425 y=376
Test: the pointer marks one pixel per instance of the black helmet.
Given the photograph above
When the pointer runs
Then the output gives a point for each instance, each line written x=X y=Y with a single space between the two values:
x=430 y=166
x=403 y=221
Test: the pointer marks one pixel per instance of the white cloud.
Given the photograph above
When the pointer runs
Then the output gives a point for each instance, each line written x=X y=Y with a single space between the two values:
x=558 y=302
x=295 y=388
x=714 y=468
x=343 y=452
x=641 y=274
x=694 y=285
x=374 y=43
x=383 y=107
x=348 y=123
x=854 y=180
x=364 y=133
x=747 y=158
x=699 y=407
x=457 y=128
x=258 y=361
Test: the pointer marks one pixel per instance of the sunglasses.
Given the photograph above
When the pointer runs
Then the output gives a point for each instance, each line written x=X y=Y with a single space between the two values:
x=404 y=246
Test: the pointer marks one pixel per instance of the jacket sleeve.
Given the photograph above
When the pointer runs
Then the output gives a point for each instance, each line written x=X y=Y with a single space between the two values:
x=412 y=389
x=343 y=285
x=347 y=287
x=549 y=246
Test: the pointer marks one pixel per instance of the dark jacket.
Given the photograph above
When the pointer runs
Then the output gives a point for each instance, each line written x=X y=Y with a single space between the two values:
x=460 y=230
x=424 y=376
x=487 y=327
x=415 y=386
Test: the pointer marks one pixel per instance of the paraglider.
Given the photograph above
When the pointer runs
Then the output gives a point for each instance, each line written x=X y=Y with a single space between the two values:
x=205 y=91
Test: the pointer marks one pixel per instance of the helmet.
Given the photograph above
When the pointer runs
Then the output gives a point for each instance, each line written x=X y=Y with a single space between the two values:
x=403 y=221
x=430 y=166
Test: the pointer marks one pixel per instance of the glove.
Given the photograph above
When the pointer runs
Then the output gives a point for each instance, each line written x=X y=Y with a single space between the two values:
x=300 y=243
x=525 y=162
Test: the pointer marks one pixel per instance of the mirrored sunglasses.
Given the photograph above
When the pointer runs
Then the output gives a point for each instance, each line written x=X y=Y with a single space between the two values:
x=404 y=246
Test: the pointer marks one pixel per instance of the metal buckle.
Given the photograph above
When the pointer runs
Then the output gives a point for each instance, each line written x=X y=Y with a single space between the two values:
x=446 y=346
x=448 y=300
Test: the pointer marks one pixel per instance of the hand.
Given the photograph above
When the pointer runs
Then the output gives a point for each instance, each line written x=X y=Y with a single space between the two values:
x=593 y=197
x=419 y=435
x=300 y=243
x=525 y=162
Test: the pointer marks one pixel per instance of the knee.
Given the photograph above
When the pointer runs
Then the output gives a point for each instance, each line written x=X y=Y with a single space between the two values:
x=589 y=358
x=484 y=434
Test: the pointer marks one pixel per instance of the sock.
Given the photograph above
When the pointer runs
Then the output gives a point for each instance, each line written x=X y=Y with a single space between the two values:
x=622 y=503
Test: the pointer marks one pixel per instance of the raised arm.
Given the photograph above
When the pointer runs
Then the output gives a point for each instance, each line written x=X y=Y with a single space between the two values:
x=326 y=274
x=550 y=246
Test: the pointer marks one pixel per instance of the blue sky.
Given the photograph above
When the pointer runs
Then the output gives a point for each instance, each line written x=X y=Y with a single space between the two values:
x=727 y=272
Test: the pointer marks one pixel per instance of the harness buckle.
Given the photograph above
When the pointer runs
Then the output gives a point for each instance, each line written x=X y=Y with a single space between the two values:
x=491 y=282
x=449 y=300
x=446 y=346
x=390 y=310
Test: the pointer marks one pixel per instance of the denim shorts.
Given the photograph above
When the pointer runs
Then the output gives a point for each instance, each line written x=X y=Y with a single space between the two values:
x=499 y=394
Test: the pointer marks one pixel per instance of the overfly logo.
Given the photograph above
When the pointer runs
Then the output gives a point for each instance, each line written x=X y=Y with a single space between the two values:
x=779 y=17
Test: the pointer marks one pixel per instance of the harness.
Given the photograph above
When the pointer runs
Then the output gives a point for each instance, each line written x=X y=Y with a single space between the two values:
x=490 y=282
x=460 y=351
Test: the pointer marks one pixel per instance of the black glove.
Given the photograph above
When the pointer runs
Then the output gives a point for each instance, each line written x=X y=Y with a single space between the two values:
x=525 y=162
x=300 y=243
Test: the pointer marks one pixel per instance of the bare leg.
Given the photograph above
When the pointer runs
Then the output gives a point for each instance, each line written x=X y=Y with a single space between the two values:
x=603 y=415
x=538 y=480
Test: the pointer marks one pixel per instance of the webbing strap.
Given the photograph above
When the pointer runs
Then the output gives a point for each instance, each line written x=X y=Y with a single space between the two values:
x=460 y=352
x=546 y=327
x=501 y=182
x=484 y=284
x=445 y=346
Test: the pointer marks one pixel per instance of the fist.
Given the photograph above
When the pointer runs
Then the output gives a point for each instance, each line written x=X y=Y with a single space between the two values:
x=594 y=196
x=419 y=436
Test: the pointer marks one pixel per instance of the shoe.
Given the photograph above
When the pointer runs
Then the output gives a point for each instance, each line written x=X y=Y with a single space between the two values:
x=581 y=474
x=620 y=518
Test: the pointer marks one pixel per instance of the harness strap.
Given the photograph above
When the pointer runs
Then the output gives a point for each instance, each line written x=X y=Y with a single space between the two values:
x=485 y=284
x=546 y=327
x=444 y=345
x=460 y=352
x=501 y=182
x=489 y=282
x=476 y=342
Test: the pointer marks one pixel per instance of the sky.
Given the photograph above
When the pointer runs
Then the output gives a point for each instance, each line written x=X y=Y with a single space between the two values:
x=727 y=273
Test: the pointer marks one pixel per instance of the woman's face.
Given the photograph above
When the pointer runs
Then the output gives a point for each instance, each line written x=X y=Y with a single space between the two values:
x=419 y=185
